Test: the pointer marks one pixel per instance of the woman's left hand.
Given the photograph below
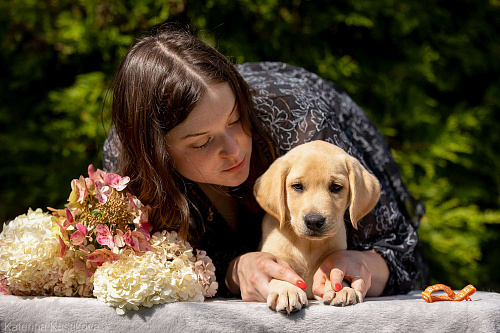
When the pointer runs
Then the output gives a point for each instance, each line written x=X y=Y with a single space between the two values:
x=365 y=270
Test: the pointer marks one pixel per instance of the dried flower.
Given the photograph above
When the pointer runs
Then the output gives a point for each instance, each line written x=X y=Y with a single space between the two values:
x=102 y=216
x=103 y=235
x=30 y=263
x=169 y=272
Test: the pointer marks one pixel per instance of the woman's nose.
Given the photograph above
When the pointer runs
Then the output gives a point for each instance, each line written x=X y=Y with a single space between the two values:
x=230 y=146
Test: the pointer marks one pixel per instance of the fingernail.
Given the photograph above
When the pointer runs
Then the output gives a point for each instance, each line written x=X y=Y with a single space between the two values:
x=322 y=295
x=338 y=287
x=301 y=284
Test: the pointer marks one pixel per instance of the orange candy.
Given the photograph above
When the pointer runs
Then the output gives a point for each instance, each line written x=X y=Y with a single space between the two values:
x=463 y=294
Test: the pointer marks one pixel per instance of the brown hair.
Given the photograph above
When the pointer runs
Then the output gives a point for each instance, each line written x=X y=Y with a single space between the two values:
x=157 y=85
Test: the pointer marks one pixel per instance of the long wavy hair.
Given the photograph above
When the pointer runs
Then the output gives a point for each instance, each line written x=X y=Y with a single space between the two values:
x=158 y=83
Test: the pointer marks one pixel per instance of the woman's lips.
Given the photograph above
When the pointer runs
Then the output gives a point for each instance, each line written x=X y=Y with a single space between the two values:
x=235 y=167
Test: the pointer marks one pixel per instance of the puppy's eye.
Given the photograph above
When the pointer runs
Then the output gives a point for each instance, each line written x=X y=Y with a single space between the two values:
x=335 y=188
x=298 y=187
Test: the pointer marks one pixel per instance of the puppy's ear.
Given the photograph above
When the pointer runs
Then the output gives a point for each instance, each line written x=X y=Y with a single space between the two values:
x=270 y=190
x=364 y=190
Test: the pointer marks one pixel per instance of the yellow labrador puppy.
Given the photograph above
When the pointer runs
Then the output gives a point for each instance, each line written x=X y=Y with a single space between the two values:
x=305 y=194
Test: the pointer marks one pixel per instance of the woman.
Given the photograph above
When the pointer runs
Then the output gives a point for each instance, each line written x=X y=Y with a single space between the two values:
x=194 y=132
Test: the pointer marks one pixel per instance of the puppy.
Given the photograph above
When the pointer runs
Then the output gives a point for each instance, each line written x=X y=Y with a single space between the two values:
x=305 y=194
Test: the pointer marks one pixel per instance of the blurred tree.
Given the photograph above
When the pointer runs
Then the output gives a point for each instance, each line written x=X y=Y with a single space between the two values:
x=426 y=72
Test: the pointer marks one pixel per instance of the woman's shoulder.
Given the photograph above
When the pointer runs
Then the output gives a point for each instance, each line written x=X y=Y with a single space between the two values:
x=271 y=77
x=267 y=66
x=273 y=69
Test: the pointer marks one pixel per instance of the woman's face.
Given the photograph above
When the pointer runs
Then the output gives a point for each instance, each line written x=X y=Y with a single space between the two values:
x=210 y=146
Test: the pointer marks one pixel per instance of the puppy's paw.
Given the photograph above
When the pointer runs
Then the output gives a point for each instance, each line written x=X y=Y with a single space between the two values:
x=286 y=298
x=347 y=296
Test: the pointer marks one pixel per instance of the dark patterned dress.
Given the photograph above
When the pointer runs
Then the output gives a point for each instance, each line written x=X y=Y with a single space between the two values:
x=297 y=107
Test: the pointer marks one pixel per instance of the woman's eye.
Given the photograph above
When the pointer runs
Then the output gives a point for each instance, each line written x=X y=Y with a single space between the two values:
x=203 y=145
x=298 y=187
x=236 y=121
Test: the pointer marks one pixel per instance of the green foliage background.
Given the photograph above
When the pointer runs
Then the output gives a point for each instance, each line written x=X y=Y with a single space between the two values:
x=427 y=72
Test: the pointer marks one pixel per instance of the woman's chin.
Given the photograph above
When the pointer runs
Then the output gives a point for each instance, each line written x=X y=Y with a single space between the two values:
x=236 y=180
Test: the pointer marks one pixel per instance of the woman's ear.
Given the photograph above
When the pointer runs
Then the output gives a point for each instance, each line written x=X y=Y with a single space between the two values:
x=364 y=190
x=270 y=190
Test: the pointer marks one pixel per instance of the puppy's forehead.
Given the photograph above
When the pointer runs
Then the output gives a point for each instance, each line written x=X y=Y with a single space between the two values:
x=328 y=165
x=316 y=148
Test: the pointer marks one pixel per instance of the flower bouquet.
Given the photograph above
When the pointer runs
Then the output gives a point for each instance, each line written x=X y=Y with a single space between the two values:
x=101 y=245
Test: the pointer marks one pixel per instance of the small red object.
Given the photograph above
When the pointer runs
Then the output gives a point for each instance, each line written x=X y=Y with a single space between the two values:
x=338 y=287
x=301 y=284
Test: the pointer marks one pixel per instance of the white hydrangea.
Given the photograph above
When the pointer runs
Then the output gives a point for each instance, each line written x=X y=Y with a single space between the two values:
x=30 y=261
x=170 y=245
x=168 y=273
x=30 y=264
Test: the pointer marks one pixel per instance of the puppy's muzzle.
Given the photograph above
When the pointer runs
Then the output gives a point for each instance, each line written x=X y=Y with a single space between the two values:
x=314 y=221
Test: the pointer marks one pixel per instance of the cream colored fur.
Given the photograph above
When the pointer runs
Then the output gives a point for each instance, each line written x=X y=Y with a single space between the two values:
x=306 y=193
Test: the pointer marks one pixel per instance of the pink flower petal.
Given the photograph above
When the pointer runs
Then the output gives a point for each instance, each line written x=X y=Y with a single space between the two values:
x=102 y=229
x=95 y=175
x=119 y=239
x=131 y=201
x=104 y=236
x=144 y=245
x=83 y=229
x=130 y=240
x=91 y=171
x=84 y=249
x=146 y=226
x=61 y=228
x=115 y=181
x=101 y=256
x=102 y=191
x=69 y=216
x=139 y=242
x=145 y=229
x=77 y=238
x=80 y=187
x=63 y=246
x=79 y=264
x=4 y=286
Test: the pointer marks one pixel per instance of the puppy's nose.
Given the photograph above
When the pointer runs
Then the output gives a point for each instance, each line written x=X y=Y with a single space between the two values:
x=314 y=221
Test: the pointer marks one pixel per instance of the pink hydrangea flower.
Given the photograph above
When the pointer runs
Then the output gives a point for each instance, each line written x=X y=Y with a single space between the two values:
x=102 y=191
x=133 y=202
x=104 y=236
x=101 y=256
x=145 y=229
x=115 y=181
x=80 y=187
x=79 y=236
x=95 y=175
x=137 y=241
x=130 y=240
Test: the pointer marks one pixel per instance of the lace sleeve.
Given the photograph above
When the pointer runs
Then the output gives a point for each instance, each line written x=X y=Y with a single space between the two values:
x=111 y=152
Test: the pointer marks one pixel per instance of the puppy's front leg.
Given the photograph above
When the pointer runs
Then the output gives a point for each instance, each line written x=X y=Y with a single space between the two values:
x=285 y=297
x=346 y=296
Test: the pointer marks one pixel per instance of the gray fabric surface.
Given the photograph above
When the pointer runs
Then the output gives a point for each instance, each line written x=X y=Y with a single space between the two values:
x=405 y=313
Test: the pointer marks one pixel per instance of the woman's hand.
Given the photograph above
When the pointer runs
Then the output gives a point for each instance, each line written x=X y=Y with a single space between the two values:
x=365 y=270
x=250 y=274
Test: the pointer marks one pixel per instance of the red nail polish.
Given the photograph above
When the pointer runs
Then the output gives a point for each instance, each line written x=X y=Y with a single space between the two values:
x=322 y=295
x=301 y=284
x=338 y=287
